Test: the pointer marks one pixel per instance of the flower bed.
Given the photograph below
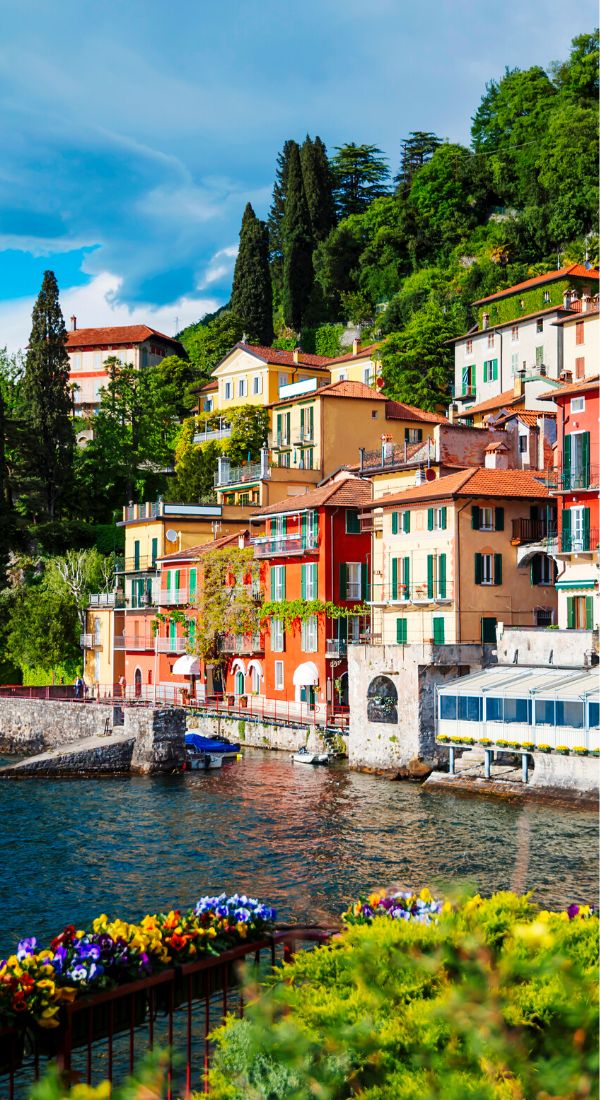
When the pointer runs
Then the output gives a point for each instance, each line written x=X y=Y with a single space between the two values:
x=35 y=981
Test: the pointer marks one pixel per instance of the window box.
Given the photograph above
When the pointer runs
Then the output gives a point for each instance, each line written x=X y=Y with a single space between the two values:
x=563 y=750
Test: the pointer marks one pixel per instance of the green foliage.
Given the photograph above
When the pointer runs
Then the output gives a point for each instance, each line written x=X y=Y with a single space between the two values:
x=208 y=341
x=277 y=211
x=324 y=340
x=415 y=151
x=318 y=187
x=360 y=174
x=148 y=1083
x=226 y=602
x=196 y=463
x=297 y=243
x=252 y=294
x=292 y=612
x=417 y=362
x=495 y=1002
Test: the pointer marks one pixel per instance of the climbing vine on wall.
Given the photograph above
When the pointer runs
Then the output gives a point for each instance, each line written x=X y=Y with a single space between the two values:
x=228 y=599
x=290 y=612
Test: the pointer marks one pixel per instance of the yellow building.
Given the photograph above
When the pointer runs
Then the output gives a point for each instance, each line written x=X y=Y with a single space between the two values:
x=359 y=365
x=444 y=559
x=103 y=653
x=254 y=375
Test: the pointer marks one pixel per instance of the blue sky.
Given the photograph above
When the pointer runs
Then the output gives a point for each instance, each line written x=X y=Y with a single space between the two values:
x=135 y=132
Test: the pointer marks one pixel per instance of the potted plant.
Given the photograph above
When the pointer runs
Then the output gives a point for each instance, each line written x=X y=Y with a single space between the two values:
x=564 y=750
x=544 y=748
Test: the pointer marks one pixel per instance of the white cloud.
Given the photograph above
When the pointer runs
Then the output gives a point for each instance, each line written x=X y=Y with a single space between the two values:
x=96 y=305
x=221 y=264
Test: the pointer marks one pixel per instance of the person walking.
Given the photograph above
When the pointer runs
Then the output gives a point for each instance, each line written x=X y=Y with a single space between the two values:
x=78 y=686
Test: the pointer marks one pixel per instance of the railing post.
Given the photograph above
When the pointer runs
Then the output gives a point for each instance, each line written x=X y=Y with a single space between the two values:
x=451 y=761
x=525 y=767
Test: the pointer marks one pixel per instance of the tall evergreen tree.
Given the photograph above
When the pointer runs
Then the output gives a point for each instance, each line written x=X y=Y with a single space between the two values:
x=6 y=516
x=49 y=442
x=415 y=151
x=252 y=293
x=277 y=211
x=297 y=246
x=318 y=187
x=361 y=174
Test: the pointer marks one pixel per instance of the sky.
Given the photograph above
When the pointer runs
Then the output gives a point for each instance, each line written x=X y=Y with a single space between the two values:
x=135 y=131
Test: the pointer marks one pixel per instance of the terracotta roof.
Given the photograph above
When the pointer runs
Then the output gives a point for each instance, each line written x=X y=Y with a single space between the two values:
x=348 y=492
x=578 y=315
x=526 y=416
x=582 y=386
x=209 y=386
x=281 y=356
x=362 y=353
x=344 y=388
x=397 y=410
x=114 y=336
x=576 y=270
x=491 y=447
x=500 y=401
x=475 y=482
x=193 y=553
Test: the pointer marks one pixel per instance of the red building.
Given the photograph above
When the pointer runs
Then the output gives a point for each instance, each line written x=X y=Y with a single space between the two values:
x=314 y=549
x=574 y=481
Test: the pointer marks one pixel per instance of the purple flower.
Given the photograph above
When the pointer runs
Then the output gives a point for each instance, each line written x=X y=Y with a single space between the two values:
x=572 y=911
x=26 y=947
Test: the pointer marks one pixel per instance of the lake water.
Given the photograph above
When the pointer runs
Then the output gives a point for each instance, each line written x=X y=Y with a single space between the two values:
x=307 y=840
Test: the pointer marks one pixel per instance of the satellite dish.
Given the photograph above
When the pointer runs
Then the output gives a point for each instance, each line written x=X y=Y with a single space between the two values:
x=171 y=535
x=430 y=475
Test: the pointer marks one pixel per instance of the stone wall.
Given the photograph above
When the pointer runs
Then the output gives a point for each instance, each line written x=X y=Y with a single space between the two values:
x=544 y=648
x=405 y=745
x=159 y=739
x=94 y=756
x=565 y=773
x=28 y=726
x=260 y=735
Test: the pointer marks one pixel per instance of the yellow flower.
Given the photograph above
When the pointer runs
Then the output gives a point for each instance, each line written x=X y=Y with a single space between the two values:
x=473 y=903
x=242 y=929
x=536 y=934
x=447 y=907
x=374 y=900
x=45 y=983
x=212 y=932
x=65 y=993
x=426 y=895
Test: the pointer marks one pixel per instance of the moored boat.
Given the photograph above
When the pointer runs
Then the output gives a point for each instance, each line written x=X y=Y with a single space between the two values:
x=303 y=756
x=208 y=752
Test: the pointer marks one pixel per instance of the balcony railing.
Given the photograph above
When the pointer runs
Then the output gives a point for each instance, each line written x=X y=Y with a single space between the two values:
x=578 y=477
x=107 y=599
x=171 y=645
x=582 y=542
x=336 y=647
x=244 y=644
x=173 y=596
x=239 y=475
x=464 y=393
x=143 y=643
x=532 y=530
x=220 y=430
x=283 y=545
x=90 y=641
x=397 y=455
x=119 y=641
x=150 y=509
x=138 y=563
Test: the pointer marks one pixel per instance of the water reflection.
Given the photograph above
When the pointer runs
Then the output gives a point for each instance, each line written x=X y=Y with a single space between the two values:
x=306 y=839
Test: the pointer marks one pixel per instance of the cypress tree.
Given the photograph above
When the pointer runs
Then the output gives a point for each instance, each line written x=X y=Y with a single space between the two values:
x=6 y=513
x=318 y=187
x=277 y=211
x=297 y=247
x=49 y=437
x=252 y=293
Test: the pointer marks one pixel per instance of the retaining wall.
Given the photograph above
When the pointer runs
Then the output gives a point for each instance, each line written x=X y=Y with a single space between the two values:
x=28 y=726
x=565 y=773
x=260 y=735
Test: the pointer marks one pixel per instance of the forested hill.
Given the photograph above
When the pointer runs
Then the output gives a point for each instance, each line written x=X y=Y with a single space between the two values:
x=404 y=255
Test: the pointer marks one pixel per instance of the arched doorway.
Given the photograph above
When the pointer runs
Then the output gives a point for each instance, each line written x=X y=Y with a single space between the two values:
x=137 y=683
x=342 y=689
x=238 y=683
x=382 y=701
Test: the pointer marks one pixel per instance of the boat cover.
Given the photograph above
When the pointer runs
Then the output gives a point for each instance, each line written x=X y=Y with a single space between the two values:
x=209 y=744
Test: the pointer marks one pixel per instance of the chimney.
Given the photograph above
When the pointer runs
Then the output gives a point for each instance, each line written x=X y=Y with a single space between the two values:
x=518 y=384
x=73 y=323
x=296 y=354
x=567 y=299
x=486 y=321
x=587 y=303
x=356 y=345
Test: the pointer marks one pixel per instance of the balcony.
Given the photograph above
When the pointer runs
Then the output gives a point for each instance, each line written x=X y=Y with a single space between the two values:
x=213 y=430
x=582 y=478
x=119 y=642
x=227 y=475
x=283 y=546
x=241 y=644
x=170 y=597
x=579 y=542
x=336 y=647
x=531 y=530
x=107 y=599
x=303 y=439
x=138 y=563
x=465 y=393
x=90 y=641
x=397 y=455
x=171 y=645
x=142 y=643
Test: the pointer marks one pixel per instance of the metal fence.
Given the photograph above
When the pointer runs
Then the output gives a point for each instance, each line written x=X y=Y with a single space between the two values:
x=105 y=1036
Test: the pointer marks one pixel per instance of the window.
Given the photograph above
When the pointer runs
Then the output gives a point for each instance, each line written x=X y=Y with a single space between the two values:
x=278 y=582
x=569 y=713
x=468 y=347
x=468 y=381
x=278 y=675
x=283 y=429
x=539 y=356
x=580 y=613
x=577 y=404
x=254 y=680
x=438 y=630
x=208 y=404
x=309 y=581
x=257 y=384
x=400 y=522
x=305 y=458
x=579 y=334
x=136 y=554
x=486 y=519
x=400 y=574
x=469 y=708
x=353 y=582
x=228 y=391
x=154 y=551
x=193 y=582
x=594 y=715
x=401 y=631
x=488 y=630
x=277 y=636
x=308 y=642
x=374 y=414
x=413 y=435
x=539 y=325
x=580 y=367
x=191 y=625
x=76 y=361
x=448 y=708
x=352 y=522
x=514 y=334
x=342 y=376
x=437 y=519
x=241 y=387
x=284 y=459
x=514 y=362
x=490 y=339
x=476 y=512
x=436 y=576
x=546 y=297
x=545 y=712
x=283 y=379
x=490 y=370
x=367 y=376
x=494 y=709
x=488 y=568
x=307 y=423
x=541 y=569
x=382 y=701
x=576 y=460
x=517 y=710
x=523 y=444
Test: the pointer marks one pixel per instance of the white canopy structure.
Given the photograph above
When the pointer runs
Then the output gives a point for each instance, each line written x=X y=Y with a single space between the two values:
x=187 y=665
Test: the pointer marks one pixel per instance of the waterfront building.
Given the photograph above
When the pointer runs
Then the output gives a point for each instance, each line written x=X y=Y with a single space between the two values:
x=574 y=484
x=516 y=331
x=313 y=550
x=88 y=349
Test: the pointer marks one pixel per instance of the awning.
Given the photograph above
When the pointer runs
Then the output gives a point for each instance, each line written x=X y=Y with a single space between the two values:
x=306 y=675
x=188 y=665
x=575 y=584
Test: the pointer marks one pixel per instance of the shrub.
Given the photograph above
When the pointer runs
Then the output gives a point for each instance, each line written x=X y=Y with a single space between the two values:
x=528 y=745
x=544 y=748
x=580 y=750
x=563 y=750
x=495 y=1001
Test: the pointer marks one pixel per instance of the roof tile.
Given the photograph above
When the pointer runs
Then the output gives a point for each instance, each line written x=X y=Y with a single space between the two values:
x=114 y=336
x=283 y=356
x=348 y=492
x=193 y=553
x=577 y=270
x=475 y=482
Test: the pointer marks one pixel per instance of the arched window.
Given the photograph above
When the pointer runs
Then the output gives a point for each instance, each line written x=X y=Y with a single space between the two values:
x=137 y=683
x=382 y=704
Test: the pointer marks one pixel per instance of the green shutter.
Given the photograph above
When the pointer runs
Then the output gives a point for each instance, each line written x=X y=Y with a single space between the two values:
x=343 y=574
x=401 y=631
x=406 y=578
x=585 y=460
x=566 y=531
x=478 y=568
x=177 y=579
x=315 y=580
x=497 y=568
x=566 y=478
x=273 y=568
x=364 y=581
x=442 y=576
x=475 y=520
x=394 y=523
x=430 y=576
x=494 y=370
x=406 y=523
x=586 y=529
x=154 y=551
x=352 y=522
x=444 y=517
x=303 y=582
x=136 y=554
x=589 y=612
x=430 y=519
x=303 y=527
x=438 y=630
x=499 y=519
x=169 y=578
x=394 y=578
x=283 y=573
x=302 y=423
x=570 y=612
x=193 y=574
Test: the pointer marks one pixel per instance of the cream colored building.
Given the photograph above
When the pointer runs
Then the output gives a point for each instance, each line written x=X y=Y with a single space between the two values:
x=254 y=375
x=581 y=342
x=359 y=365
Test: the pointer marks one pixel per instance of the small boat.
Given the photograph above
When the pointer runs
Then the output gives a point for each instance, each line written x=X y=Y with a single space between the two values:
x=208 y=752
x=202 y=761
x=303 y=756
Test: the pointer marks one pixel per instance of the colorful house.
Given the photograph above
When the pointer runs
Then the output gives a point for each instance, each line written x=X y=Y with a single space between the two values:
x=254 y=375
x=581 y=340
x=574 y=482
x=314 y=550
x=359 y=365
x=445 y=567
